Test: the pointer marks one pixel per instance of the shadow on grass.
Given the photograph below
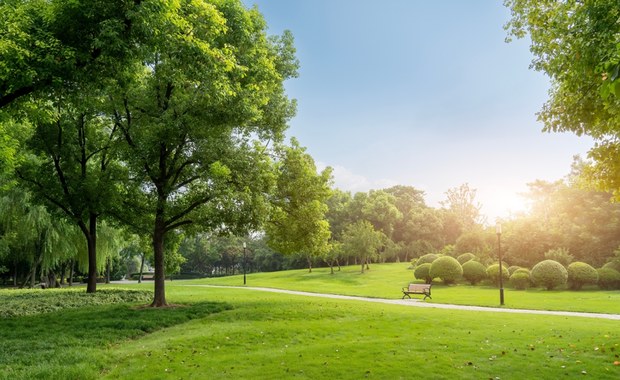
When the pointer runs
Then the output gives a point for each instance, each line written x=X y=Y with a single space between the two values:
x=65 y=343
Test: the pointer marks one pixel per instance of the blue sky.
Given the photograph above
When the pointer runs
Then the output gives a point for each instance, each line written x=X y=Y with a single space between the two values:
x=420 y=93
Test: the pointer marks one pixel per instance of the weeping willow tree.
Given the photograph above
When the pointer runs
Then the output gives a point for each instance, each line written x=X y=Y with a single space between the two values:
x=31 y=236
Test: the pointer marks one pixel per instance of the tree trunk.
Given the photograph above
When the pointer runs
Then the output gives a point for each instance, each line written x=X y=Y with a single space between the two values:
x=309 y=265
x=141 y=268
x=159 y=298
x=63 y=272
x=15 y=277
x=71 y=273
x=91 y=238
x=107 y=270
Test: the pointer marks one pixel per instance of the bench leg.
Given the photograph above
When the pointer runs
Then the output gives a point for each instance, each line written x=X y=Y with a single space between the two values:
x=406 y=295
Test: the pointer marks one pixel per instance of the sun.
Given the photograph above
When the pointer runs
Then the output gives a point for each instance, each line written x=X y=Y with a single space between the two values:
x=503 y=204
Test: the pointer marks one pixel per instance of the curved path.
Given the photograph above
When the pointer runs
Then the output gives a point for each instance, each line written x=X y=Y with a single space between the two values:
x=418 y=303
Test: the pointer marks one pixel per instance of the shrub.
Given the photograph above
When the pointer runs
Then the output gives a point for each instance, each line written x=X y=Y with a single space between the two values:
x=493 y=273
x=608 y=278
x=512 y=269
x=520 y=280
x=428 y=258
x=580 y=274
x=474 y=272
x=549 y=274
x=465 y=257
x=422 y=272
x=523 y=270
x=615 y=265
x=447 y=268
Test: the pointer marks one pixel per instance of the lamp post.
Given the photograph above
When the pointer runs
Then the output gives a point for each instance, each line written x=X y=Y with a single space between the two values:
x=244 y=262
x=498 y=230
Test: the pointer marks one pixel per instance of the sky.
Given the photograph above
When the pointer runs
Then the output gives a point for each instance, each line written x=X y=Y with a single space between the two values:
x=420 y=93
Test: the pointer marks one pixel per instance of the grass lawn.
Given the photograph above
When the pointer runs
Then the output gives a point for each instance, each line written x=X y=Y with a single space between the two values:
x=386 y=281
x=231 y=333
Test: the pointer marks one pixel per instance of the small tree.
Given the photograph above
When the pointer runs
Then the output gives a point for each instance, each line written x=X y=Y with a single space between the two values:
x=549 y=274
x=447 y=268
x=423 y=272
x=474 y=272
x=580 y=274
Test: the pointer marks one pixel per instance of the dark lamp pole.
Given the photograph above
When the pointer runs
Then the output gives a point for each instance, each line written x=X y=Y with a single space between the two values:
x=244 y=262
x=498 y=230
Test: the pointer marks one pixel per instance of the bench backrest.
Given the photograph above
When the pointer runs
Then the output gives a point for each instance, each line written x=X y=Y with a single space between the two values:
x=419 y=287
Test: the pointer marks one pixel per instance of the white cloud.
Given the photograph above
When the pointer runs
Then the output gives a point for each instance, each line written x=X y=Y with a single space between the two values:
x=346 y=180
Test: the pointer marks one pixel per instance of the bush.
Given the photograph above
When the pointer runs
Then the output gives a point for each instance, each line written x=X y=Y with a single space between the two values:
x=608 y=278
x=615 y=265
x=560 y=255
x=428 y=258
x=465 y=257
x=522 y=270
x=474 y=272
x=447 y=268
x=549 y=274
x=513 y=268
x=422 y=272
x=493 y=273
x=580 y=274
x=520 y=280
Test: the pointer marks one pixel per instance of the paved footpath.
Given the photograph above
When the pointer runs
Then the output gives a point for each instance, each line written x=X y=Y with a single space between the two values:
x=419 y=303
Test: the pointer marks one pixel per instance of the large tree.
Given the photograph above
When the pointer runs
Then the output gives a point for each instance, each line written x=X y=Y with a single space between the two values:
x=196 y=118
x=576 y=44
x=46 y=44
x=298 y=223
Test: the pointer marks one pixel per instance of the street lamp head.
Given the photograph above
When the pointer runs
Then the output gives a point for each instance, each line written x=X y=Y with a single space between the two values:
x=244 y=245
x=498 y=228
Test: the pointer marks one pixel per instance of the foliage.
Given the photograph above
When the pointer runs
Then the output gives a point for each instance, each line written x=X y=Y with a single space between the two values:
x=447 y=268
x=423 y=272
x=561 y=255
x=580 y=274
x=608 y=278
x=428 y=258
x=576 y=44
x=513 y=268
x=522 y=270
x=461 y=202
x=493 y=273
x=520 y=280
x=31 y=302
x=474 y=272
x=472 y=241
x=465 y=257
x=363 y=241
x=297 y=223
x=549 y=274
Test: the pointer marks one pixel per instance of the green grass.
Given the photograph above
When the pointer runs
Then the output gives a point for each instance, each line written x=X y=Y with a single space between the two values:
x=386 y=281
x=230 y=333
x=277 y=336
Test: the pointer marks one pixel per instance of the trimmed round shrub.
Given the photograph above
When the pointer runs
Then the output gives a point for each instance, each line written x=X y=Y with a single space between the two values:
x=522 y=270
x=549 y=274
x=422 y=272
x=428 y=258
x=520 y=280
x=615 y=265
x=493 y=273
x=474 y=272
x=608 y=278
x=465 y=257
x=513 y=268
x=447 y=268
x=580 y=274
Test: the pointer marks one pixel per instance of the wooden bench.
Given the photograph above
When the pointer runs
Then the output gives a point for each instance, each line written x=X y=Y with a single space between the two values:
x=424 y=289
